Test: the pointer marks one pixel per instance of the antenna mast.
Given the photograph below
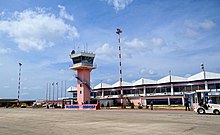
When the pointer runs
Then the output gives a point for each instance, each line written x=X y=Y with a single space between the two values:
x=119 y=31
x=19 y=82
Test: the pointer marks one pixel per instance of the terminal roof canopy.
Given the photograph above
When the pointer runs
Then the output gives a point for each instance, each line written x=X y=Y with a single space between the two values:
x=144 y=81
x=166 y=79
x=72 y=89
x=200 y=76
x=117 y=84
x=102 y=85
x=172 y=78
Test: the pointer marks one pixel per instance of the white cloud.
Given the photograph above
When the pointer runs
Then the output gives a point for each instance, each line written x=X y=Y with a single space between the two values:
x=2 y=13
x=64 y=14
x=6 y=87
x=5 y=50
x=194 y=29
x=191 y=33
x=36 y=29
x=119 y=4
x=24 y=93
x=145 y=71
x=105 y=50
x=158 y=42
x=206 y=24
x=141 y=47
x=136 y=43
x=152 y=72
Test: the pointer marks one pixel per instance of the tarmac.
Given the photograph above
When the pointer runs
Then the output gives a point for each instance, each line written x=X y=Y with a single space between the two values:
x=28 y=121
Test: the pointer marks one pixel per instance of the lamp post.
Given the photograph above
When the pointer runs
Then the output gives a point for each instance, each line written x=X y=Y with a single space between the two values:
x=206 y=84
x=49 y=91
x=203 y=69
x=65 y=88
x=46 y=97
x=57 y=90
x=119 y=31
x=53 y=91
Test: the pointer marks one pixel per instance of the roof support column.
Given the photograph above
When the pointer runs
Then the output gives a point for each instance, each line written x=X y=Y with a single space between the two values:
x=168 y=99
x=206 y=85
x=102 y=93
x=172 y=93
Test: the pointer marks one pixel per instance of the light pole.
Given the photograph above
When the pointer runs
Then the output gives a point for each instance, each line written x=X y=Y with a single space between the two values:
x=46 y=97
x=65 y=88
x=19 y=82
x=203 y=69
x=49 y=91
x=119 y=31
x=61 y=93
x=206 y=84
x=53 y=91
x=57 y=90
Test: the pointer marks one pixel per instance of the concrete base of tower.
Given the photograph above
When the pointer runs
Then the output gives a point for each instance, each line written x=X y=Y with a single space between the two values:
x=83 y=107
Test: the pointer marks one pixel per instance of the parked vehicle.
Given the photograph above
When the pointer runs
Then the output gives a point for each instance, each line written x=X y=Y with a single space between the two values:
x=208 y=108
x=23 y=105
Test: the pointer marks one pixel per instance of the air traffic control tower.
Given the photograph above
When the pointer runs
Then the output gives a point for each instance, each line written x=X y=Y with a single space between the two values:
x=83 y=64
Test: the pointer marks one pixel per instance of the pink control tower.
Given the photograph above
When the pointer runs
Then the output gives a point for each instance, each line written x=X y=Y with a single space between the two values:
x=83 y=64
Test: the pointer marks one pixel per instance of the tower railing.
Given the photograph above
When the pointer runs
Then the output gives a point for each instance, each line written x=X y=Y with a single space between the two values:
x=84 y=64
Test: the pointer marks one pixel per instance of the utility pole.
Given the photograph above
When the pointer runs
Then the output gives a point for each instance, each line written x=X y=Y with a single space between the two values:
x=61 y=89
x=119 y=31
x=203 y=69
x=57 y=91
x=19 y=83
x=65 y=88
x=53 y=91
x=46 y=97
x=49 y=91
x=205 y=82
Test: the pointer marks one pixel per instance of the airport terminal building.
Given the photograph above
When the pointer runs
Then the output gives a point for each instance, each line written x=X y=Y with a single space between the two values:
x=169 y=90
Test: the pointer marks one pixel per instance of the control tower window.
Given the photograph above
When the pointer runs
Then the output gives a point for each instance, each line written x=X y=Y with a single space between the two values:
x=76 y=60
x=83 y=59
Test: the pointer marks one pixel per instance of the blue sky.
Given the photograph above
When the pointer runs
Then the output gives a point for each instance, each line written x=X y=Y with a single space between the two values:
x=158 y=36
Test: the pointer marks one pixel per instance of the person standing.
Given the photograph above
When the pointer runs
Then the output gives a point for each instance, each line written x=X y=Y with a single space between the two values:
x=151 y=105
x=187 y=105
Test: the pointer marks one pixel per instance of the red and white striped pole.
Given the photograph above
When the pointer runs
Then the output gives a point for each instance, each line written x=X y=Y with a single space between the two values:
x=120 y=65
x=19 y=82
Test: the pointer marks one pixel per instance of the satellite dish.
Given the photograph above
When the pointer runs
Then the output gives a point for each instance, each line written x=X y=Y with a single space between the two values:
x=73 y=52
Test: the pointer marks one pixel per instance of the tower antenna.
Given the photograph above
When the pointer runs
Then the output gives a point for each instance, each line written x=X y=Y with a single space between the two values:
x=119 y=31
x=19 y=82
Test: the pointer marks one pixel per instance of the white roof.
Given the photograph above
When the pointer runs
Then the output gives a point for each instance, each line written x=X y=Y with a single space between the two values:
x=72 y=89
x=102 y=85
x=117 y=84
x=200 y=76
x=166 y=79
x=172 y=78
x=144 y=81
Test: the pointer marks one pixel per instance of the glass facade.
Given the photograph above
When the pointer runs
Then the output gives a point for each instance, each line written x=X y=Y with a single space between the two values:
x=188 y=88
x=158 y=90
x=161 y=94
x=214 y=86
x=133 y=91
